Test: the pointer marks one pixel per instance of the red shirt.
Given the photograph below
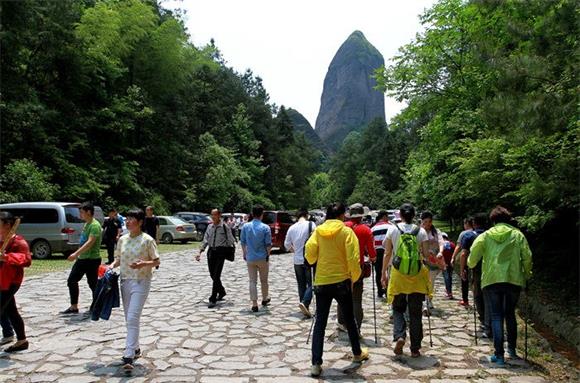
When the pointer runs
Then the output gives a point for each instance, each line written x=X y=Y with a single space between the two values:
x=365 y=239
x=17 y=258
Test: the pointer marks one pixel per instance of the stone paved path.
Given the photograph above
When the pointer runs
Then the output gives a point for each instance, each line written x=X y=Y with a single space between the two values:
x=184 y=341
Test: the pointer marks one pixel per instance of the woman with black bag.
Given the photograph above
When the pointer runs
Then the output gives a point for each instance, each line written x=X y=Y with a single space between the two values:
x=220 y=240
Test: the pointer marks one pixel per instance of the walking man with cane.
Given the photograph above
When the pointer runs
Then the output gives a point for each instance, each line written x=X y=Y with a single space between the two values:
x=409 y=282
x=333 y=247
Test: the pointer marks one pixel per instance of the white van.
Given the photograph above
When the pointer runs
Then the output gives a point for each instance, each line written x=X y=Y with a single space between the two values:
x=50 y=227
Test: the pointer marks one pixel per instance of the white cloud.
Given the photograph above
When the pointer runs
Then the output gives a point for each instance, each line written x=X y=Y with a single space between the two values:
x=291 y=44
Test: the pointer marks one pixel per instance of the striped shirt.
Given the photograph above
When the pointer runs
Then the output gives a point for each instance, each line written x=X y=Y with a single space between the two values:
x=379 y=233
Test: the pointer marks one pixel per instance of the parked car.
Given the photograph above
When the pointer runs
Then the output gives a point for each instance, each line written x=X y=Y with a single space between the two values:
x=175 y=229
x=200 y=220
x=279 y=222
x=394 y=215
x=49 y=227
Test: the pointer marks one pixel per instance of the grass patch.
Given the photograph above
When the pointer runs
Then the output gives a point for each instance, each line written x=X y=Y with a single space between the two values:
x=59 y=262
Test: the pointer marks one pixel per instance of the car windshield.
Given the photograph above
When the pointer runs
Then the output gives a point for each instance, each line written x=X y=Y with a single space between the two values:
x=177 y=221
x=269 y=218
x=285 y=218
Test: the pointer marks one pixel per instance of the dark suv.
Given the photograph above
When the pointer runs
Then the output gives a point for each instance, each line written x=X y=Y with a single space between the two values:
x=279 y=222
x=200 y=220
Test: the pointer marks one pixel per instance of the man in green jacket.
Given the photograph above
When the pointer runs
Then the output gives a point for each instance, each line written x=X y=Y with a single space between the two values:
x=506 y=268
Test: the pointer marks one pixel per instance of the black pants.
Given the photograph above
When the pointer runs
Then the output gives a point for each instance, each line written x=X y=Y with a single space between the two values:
x=415 y=305
x=357 y=295
x=481 y=304
x=111 y=250
x=90 y=267
x=342 y=293
x=465 y=286
x=215 y=264
x=379 y=272
x=8 y=310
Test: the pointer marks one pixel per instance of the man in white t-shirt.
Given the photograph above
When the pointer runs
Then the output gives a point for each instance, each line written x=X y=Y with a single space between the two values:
x=404 y=290
x=296 y=238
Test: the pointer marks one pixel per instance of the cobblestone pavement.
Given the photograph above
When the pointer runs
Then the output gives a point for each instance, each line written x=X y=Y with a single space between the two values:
x=182 y=340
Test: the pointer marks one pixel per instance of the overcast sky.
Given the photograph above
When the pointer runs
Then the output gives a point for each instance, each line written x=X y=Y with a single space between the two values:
x=290 y=44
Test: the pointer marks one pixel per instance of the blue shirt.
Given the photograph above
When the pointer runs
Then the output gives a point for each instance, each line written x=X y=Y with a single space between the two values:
x=469 y=237
x=257 y=237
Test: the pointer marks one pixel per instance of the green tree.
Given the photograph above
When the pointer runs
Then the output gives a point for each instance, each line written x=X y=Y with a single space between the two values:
x=23 y=180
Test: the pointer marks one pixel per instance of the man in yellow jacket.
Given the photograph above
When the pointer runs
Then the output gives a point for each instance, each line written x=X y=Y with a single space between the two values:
x=334 y=249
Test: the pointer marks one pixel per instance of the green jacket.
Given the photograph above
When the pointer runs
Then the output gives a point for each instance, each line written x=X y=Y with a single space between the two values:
x=506 y=256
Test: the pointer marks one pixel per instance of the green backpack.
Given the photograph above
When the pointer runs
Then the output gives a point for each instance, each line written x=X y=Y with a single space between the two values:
x=408 y=259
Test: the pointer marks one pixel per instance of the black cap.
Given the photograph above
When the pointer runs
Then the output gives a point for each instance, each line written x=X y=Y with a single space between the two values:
x=407 y=208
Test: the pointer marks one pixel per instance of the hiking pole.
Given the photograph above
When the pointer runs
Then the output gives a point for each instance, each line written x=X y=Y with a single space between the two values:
x=374 y=305
x=474 y=323
x=526 y=339
x=314 y=316
x=429 y=322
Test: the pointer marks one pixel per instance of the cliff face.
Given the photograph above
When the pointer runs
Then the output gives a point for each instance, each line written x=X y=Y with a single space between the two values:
x=349 y=101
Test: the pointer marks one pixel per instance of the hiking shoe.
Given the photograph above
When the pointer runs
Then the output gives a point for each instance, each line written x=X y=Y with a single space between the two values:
x=499 y=360
x=128 y=364
x=255 y=309
x=266 y=302
x=69 y=311
x=211 y=305
x=137 y=354
x=304 y=310
x=426 y=312
x=512 y=353
x=7 y=339
x=316 y=370
x=341 y=327
x=463 y=303
x=398 y=350
x=17 y=347
x=364 y=355
x=221 y=296
x=415 y=354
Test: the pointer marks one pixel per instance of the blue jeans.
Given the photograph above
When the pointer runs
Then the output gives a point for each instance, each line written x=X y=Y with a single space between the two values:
x=503 y=298
x=304 y=279
x=448 y=278
x=342 y=293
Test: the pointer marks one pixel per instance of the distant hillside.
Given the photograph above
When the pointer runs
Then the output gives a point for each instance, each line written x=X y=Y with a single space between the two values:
x=349 y=101
x=301 y=124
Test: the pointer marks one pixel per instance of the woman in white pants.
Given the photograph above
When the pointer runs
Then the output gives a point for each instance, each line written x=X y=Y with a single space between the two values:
x=137 y=254
x=435 y=261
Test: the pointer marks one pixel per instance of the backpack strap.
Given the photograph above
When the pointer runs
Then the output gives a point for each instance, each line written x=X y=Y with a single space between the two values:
x=416 y=231
x=309 y=234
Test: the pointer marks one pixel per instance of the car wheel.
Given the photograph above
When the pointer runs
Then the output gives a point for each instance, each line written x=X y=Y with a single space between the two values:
x=167 y=238
x=41 y=249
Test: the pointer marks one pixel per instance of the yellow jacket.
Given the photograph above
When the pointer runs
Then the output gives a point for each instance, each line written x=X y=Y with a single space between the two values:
x=334 y=248
x=405 y=284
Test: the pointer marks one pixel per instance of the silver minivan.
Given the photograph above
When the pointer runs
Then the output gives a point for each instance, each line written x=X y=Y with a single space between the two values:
x=50 y=227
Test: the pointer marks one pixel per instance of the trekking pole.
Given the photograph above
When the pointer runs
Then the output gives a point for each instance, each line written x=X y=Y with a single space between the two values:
x=313 y=297
x=429 y=322
x=526 y=339
x=474 y=324
x=374 y=305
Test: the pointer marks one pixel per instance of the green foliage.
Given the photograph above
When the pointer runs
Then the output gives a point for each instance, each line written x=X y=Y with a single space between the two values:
x=23 y=180
x=123 y=110
x=369 y=191
x=492 y=95
x=323 y=190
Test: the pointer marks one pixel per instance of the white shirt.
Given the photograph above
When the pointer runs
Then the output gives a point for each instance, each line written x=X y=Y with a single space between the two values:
x=131 y=249
x=380 y=231
x=296 y=238
x=394 y=234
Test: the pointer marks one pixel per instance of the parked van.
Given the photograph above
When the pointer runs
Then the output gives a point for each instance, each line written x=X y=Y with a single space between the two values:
x=49 y=227
x=279 y=222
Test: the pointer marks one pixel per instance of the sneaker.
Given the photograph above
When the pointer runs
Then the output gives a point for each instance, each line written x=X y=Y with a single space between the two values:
x=211 y=305
x=255 y=309
x=221 y=296
x=7 y=339
x=266 y=302
x=426 y=312
x=137 y=354
x=398 y=350
x=364 y=355
x=128 y=364
x=512 y=353
x=341 y=327
x=69 y=311
x=415 y=354
x=463 y=303
x=499 y=360
x=316 y=370
x=304 y=310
